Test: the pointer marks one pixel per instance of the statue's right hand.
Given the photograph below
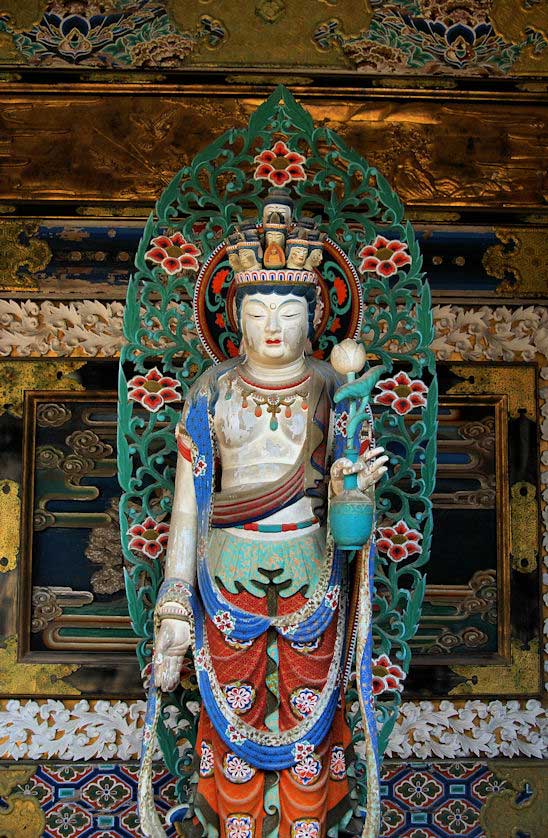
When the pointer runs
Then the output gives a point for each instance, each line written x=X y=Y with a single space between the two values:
x=171 y=644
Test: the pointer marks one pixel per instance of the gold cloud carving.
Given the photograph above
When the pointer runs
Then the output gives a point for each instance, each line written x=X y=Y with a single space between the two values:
x=259 y=33
x=502 y=816
x=20 y=250
x=521 y=677
x=23 y=14
x=18 y=376
x=22 y=814
x=10 y=510
x=522 y=254
x=44 y=679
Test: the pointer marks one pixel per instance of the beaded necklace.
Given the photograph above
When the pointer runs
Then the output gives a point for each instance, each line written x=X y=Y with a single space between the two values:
x=272 y=398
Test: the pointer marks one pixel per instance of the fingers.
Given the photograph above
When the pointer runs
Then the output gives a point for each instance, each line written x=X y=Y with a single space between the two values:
x=373 y=452
x=167 y=670
x=369 y=465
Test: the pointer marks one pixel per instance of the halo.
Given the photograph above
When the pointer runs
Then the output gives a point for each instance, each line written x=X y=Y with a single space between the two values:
x=340 y=296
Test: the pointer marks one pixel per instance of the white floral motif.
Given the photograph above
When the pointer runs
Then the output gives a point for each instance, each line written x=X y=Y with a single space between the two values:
x=93 y=328
x=302 y=750
x=303 y=701
x=200 y=466
x=236 y=736
x=224 y=622
x=305 y=828
x=337 y=764
x=239 y=696
x=331 y=598
x=239 y=826
x=206 y=760
x=200 y=660
x=306 y=771
x=106 y=730
x=236 y=769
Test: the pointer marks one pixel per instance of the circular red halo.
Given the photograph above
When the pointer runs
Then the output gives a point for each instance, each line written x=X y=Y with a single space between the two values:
x=340 y=292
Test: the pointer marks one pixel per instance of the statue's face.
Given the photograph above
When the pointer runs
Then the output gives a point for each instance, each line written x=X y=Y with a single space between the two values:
x=298 y=256
x=274 y=327
x=284 y=213
x=247 y=258
x=275 y=237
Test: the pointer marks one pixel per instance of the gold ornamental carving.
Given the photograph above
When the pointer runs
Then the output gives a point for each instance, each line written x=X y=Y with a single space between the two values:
x=512 y=18
x=21 y=814
x=23 y=14
x=21 y=255
x=19 y=376
x=517 y=383
x=44 y=679
x=524 y=518
x=10 y=510
x=522 y=254
x=521 y=677
x=259 y=33
x=510 y=812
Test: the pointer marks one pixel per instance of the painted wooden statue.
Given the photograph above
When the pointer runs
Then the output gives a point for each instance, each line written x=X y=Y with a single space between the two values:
x=268 y=573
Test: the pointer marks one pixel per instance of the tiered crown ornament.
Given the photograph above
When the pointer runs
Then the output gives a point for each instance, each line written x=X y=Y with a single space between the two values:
x=278 y=252
x=321 y=217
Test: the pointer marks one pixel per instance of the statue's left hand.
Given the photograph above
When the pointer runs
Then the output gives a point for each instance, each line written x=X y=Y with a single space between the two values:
x=170 y=646
x=370 y=467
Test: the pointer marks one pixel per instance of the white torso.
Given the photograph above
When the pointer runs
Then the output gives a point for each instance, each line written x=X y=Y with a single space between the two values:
x=252 y=451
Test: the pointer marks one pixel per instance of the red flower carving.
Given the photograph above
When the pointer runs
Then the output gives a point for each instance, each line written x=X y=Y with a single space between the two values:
x=153 y=390
x=386 y=675
x=384 y=256
x=149 y=538
x=340 y=289
x=401 y=393
x=218 y=280
x=233 y=350
x=173 y=253
x=279 y=165
x=399 y=542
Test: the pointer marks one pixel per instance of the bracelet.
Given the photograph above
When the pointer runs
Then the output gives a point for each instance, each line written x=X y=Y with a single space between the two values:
x=182 y=618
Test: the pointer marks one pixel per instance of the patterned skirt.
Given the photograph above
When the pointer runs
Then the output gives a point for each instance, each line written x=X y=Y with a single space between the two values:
x=272 y=684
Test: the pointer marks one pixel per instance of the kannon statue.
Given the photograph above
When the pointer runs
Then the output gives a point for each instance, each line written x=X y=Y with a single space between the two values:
x=253 y=580
x=274 y=552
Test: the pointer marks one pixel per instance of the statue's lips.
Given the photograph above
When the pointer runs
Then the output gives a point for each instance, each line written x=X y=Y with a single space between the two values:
x=273 y=342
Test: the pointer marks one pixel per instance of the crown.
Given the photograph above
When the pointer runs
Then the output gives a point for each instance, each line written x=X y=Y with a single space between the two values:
x=278 y=249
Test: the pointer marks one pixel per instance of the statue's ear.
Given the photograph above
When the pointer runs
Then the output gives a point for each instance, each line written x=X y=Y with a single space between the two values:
x=242 y=349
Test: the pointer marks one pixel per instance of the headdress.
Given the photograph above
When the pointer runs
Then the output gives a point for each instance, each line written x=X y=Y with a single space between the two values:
x=280 y=251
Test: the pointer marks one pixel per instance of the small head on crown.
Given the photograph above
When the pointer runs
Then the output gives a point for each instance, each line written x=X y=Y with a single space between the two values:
x=279 y=251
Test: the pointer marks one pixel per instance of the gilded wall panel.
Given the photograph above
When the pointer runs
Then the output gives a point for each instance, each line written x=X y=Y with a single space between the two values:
x=455 y=153
x=403 y=37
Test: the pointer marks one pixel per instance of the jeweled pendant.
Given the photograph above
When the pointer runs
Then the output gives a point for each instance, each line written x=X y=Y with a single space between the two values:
x=273 y=424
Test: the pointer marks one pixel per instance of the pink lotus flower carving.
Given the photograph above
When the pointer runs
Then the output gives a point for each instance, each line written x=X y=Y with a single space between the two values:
x=149 y=538
x=153 y=390
x=401 y=393
x=384 y=256
x=399 y=541
x=279 y=165
x=386 y=675
x=173 y=253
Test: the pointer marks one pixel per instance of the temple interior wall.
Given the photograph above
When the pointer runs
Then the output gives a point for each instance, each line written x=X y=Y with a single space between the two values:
x=100 y=105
